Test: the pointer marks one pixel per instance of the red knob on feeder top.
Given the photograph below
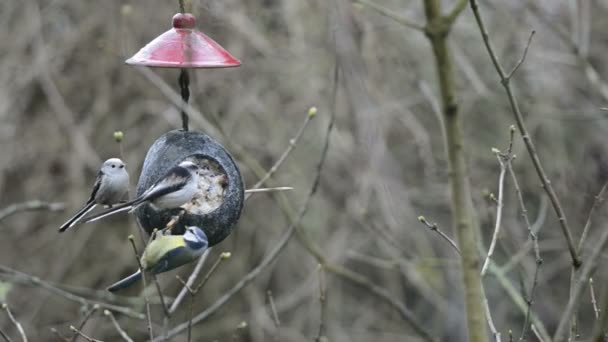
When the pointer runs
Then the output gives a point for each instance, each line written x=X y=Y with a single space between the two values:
x=184 y=21
x=183 y=46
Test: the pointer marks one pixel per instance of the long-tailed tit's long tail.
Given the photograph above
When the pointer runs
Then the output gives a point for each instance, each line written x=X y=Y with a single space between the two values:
x=77 y=217
x=126 y=282
x=117 y=209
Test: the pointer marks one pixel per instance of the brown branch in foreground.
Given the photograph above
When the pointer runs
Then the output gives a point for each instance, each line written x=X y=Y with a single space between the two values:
x=190 y=282
x=30 y=206
x=143 y=280
x=505 y=81
x=194 y=291
x=81 y=334
x=24 y=278
x=15 y=322
x=84 y=321
x=270 y=257
x=433 y=227
x=120 y=331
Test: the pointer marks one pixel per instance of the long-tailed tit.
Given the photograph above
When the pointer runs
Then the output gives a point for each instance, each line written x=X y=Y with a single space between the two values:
x=174 y=189
x=110 y=187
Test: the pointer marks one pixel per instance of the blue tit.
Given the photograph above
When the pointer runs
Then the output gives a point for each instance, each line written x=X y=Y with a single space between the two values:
x=167 y=252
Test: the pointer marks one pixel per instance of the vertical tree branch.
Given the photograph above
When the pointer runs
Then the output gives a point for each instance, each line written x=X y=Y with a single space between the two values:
x=437 y=31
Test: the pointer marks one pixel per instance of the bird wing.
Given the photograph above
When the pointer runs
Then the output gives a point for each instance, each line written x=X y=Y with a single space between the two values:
x=96 y=186
x=172 y=181
x=161 y=249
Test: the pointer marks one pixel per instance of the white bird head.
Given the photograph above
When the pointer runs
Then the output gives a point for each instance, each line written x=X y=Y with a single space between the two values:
x=113 y=166
x=195 y=238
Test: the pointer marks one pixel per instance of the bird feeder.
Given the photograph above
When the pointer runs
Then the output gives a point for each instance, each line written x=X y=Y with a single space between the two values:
x=218 y=204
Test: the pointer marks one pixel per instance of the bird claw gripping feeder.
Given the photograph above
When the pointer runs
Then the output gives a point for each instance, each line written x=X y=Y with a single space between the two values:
x=218 y=204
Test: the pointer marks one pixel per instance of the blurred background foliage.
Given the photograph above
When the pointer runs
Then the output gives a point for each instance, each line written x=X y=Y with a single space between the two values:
x=64 y=90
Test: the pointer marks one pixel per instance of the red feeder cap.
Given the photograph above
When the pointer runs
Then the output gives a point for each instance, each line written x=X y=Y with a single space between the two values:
x=184 y=47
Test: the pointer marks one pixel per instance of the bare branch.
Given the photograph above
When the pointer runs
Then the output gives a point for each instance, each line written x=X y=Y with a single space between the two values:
x=322 y=304
x=566 y=231
x=84 y=321
x=15 y=322
x=490 y=321
x=523 y=57
x=24 y=278
x=503 y=160
x=190 y=282
x=596 y=311
x=34 y=205
x=312 y=112
x=81 y=334
x=433 y=227
x=280 y=188
x=391 y=14
x=143 y=280
x=120 y=331
x=273 y=310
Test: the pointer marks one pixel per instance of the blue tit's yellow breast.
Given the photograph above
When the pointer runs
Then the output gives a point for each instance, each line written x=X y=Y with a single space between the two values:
x=158 y=248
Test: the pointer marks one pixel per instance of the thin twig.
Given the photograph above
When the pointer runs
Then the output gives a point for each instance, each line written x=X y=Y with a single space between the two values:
x=391 y=14
x=536 y=333
x=59 y=335
x=190 y=282
x=120 y=331
x=5 y=336
x=270 y=257
x=15 y=322
x=273 y=310
x=433 y=227
x=25 y=278
x=566 y=231
x=85 y=320
x=576 y=292
x=279 y=188
x=81 y=334
x=596 y=310
x=523 y=57
x=490 y=321
x=30 y=206
x=292 y=144
x=322 y=304
x=503 y=160
x=143 y=280
x=161 y=297
x=599 y=199
x=455 y=12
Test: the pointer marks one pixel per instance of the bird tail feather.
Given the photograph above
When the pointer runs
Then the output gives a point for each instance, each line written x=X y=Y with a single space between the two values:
x=77 y=217
x=122 y=207
x=126 y=282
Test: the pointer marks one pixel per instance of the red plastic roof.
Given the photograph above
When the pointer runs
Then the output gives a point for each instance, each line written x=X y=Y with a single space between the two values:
x=184 y=47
